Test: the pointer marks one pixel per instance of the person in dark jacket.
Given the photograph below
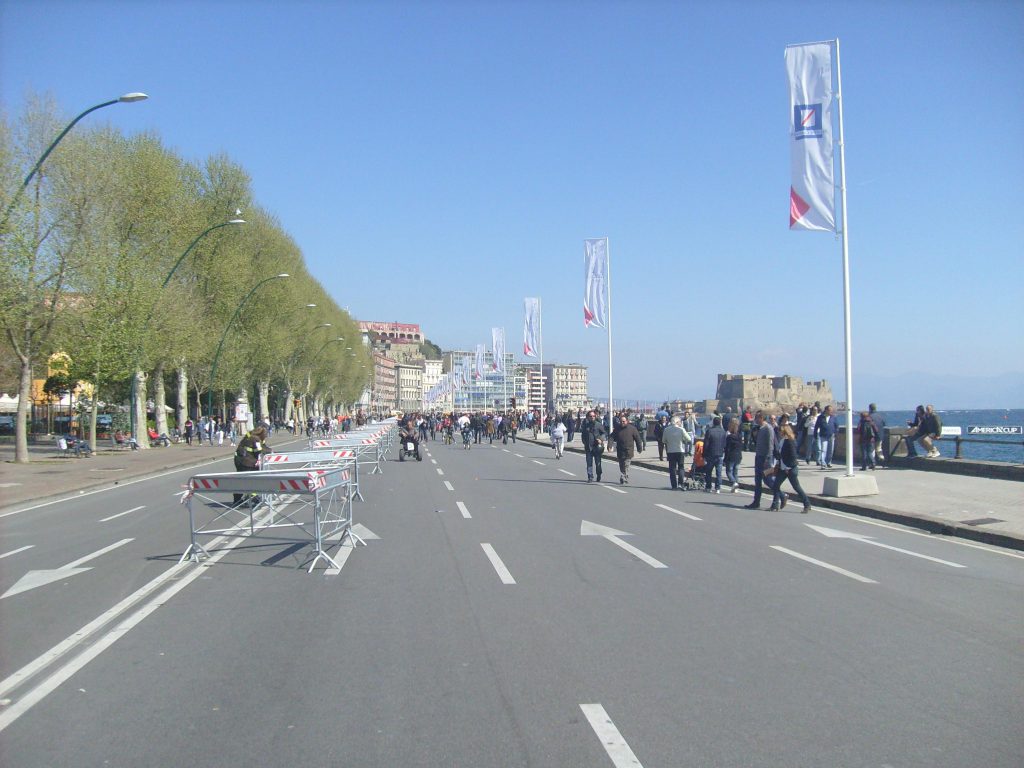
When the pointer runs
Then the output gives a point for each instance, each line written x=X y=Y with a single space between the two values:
x=867 y=434
x=714 y=454
x=733 y=453
x=879 y=421
x=626 y=437
x=764 y=456
x=787 y=470
x=593 y=435
x=659 y=431
x=248 y=452
x=825 y=433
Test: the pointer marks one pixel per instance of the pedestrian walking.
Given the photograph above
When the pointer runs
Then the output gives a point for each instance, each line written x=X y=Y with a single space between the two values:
x=593 y=434
x=677 y=440
x=626 y=437
x=786 y=469
x=825 y=429
x=714 y=454
x=248 y=452
x=733 y=454
x=764 y=453
x=659 y=435
x=867 y=434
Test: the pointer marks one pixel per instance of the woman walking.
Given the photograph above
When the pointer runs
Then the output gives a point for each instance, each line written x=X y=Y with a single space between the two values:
x=787 y=470
x=733 y=453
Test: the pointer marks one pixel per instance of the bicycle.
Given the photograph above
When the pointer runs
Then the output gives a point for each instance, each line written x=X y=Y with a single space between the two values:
x=466 y=435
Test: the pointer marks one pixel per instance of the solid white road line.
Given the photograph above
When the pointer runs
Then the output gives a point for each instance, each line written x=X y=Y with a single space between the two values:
x=567 y=472
x=449 y=486
x=616 y=747
x=611 y=488
x=677 y=512
x=16 y=551
x=440 y=471
x=97 y=553
x=463 y=510
x=51 y=683
x=836 y=568
x=503 y=572
x=539 y=462
x=120 y=514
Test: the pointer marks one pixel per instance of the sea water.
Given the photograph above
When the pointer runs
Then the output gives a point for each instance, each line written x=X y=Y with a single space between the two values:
x=1008 y=448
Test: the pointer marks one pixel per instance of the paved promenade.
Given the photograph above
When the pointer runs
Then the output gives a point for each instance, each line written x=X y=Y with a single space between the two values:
x=943 y=503
x=938 y=502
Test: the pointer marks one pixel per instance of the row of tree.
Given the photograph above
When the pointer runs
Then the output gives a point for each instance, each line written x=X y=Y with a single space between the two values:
x=91 y=253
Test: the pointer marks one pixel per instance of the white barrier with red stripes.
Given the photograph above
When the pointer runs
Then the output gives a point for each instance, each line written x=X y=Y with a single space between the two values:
x=346 y=458
x=315 y=500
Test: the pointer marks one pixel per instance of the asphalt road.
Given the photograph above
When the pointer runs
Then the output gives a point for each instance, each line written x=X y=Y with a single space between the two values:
x=500 y=620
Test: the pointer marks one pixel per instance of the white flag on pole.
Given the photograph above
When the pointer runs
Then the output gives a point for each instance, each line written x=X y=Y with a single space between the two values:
x=595 y=267
x=812 y=194
x=531 y=327
x=479 y=370
x=498 y=349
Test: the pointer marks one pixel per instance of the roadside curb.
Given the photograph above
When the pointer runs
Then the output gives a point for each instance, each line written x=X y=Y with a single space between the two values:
x=922 y=522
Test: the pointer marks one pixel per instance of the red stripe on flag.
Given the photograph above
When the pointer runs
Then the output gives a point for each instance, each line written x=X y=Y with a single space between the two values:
x=797 y=207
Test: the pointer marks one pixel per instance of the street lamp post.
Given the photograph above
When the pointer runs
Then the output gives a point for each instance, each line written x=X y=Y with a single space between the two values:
x=135 y=377
x=220 y=346
x=127 y=98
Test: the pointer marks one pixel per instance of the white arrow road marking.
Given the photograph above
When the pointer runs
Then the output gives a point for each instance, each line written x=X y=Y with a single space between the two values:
x=341 y=557
x=676 y=511
x=499 y=566
x=567 y=472
x=611 y=488
x=463 y=510
x=610 y=534
x=449 y=486
x=830 y=567
x=34 y=579
x=616 y=747
x=119 y=514
x=832 y=533
x=16 y=551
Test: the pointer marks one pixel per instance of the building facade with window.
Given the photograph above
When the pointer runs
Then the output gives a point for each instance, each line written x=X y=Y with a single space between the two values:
x=565 y=386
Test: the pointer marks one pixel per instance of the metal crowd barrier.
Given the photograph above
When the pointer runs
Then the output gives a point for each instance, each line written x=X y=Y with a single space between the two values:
x=280 y=498
x=376 y=445
x=345 y=458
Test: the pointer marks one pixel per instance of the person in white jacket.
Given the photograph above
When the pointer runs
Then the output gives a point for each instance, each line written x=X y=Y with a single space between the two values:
x=558 y=438
x=676 y=441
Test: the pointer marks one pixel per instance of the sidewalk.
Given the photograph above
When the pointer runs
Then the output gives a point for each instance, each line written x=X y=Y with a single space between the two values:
x=982 y=509
x=50 y=476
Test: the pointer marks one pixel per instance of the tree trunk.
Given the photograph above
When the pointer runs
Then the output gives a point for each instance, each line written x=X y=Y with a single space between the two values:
x=182 y=413
x=24 y=405
x=139 y=387
x=160 y=400
x=263 y=399
x=94 y=410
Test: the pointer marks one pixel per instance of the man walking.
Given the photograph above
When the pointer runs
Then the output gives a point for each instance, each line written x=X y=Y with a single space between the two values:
x=593 y=435
x=764 y=457
x=676 y=439
x=626 y=436
x=714 y=454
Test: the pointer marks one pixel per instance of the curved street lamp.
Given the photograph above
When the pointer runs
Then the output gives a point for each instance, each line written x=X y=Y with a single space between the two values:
x=202 y=234
x=216 y=357
x=126 y=98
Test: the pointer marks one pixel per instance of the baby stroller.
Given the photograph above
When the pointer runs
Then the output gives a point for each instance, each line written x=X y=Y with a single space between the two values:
x=695 y=478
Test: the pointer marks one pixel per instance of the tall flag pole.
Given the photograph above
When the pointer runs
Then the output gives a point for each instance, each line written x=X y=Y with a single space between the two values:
x=597 y=297
x=498 y=353
x=812 y=192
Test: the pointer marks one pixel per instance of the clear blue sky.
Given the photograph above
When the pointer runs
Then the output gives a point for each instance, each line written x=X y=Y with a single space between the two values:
x=437 y=162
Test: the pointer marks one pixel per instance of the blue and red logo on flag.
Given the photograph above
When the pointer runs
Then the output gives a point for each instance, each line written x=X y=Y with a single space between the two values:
x=807 y=121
